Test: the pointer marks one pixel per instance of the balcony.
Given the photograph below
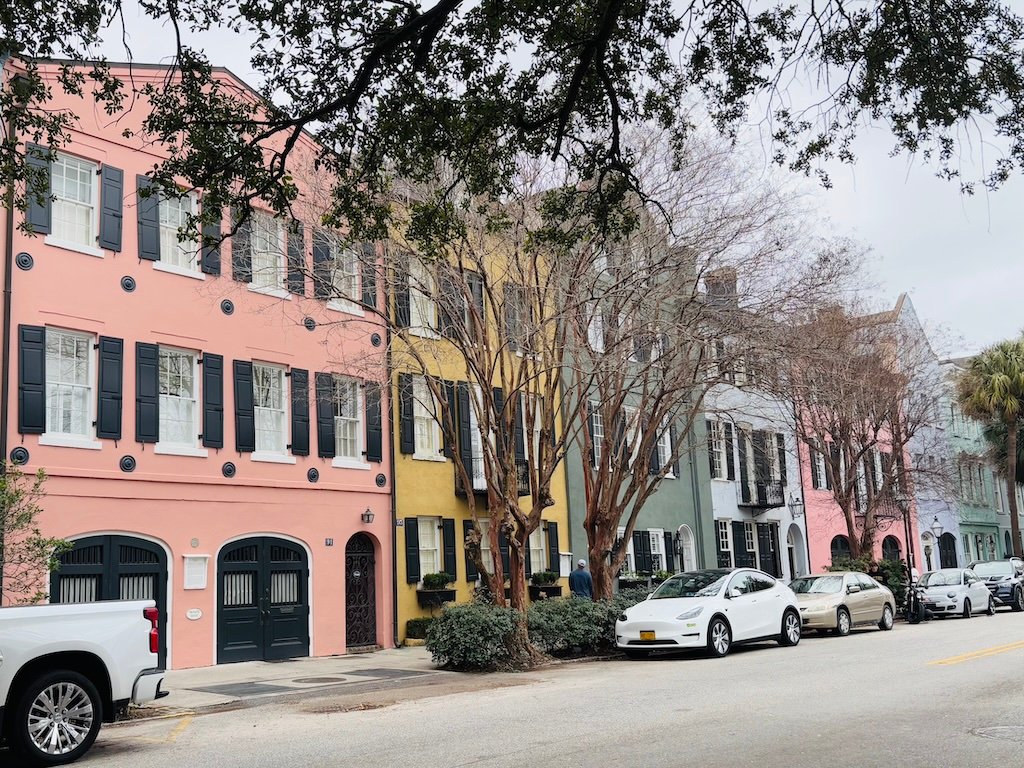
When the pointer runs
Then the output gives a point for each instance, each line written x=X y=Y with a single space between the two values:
x=480 y=480
x=762 y=496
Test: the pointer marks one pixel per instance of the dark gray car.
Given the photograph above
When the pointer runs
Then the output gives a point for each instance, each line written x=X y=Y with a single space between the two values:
x=1004 y=579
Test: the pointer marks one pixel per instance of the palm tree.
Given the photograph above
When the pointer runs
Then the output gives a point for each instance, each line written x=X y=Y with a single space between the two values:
x=992 y=390
x=995 y=436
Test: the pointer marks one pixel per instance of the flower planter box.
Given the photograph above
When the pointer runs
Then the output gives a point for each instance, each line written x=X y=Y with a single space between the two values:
x=632 y=584
x=434 y=598
x=547 y=590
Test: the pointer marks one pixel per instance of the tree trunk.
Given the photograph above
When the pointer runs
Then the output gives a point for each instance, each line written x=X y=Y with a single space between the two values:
x=1011 y=485
x=851 y=528
x=516 y=575
x=599 y=543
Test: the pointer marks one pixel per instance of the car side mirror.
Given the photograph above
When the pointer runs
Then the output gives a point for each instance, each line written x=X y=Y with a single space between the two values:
x=734 y=592
x=853 y=588
x=649 y=596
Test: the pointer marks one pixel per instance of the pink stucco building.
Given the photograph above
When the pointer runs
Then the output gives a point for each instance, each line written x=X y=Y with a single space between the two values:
x=212 y=431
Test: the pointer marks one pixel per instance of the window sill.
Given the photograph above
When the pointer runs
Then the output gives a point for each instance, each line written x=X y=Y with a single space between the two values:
x=70 y=441
x=430 y=457
x=349 y=464
x=272 y=458
x=159 y=266
x=348 y=307
x=67 y=245
x=424 y=333
x=277 y=293
x=180 y=450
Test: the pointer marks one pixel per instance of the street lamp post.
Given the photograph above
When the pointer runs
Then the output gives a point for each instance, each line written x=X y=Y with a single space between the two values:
x=903 y=502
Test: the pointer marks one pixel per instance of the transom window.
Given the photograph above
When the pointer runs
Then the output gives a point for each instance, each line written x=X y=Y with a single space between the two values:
x=427 y=433
x=267 y=243
x=73 y=185
x=430 y=555
x=68 y=382
x=268 y=399
x=177 y=397
x=174 y=213
x=346 y=418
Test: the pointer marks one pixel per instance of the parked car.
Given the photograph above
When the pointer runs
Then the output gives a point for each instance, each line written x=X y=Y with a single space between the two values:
x=66 y=668
x=712 y=609
x=840 y=601
x=955 y=591
x=1004 y=579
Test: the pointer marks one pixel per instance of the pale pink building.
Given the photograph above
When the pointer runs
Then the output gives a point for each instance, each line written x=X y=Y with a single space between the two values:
x=213 y=433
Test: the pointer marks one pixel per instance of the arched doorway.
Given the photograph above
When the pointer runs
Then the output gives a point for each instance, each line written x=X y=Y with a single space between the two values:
x=114 y=568
x=947 y=550
x=1008 y=544
x=263 y=600
x=840 y=548
x=796 y=552
x=360 y=592
x=687 y=550
x=890 y=548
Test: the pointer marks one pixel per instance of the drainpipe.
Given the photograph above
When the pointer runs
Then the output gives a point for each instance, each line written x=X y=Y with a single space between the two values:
x=803 y=492
x=695 y=488
x=394 y=507
x=5 y=363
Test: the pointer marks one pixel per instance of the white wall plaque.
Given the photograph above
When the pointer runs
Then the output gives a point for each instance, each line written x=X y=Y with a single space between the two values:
x=193 y=614
x=195 y=571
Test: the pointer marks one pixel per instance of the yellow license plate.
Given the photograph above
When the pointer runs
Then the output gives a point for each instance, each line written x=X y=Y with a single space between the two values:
x=647 y=636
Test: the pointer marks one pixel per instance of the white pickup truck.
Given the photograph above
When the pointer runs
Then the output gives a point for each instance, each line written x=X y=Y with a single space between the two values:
x=66 y=668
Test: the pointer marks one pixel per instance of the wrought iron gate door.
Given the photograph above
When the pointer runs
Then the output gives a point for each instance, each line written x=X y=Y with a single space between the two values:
x=360 y=593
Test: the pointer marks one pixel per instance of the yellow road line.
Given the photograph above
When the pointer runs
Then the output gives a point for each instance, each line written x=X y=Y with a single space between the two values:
x=179 y=728
x=979 y=654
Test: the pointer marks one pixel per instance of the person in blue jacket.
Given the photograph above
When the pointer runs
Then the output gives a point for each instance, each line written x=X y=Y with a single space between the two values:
x=580 y=582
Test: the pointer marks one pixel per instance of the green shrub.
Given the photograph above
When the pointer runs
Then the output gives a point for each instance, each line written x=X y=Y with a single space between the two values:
x=662 y=575
x=542 y=578
x=475 y=637
x=416 y=629
x=437 y=580
x=564 y=623
x=894 y=573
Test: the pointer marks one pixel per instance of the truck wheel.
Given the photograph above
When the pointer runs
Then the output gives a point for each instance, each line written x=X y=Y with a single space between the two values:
x=57 y=718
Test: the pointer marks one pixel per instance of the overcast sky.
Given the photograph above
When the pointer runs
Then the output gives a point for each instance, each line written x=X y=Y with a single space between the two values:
x=960 y=258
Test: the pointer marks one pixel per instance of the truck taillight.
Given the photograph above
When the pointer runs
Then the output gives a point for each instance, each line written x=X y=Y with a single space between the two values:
x=154 y=632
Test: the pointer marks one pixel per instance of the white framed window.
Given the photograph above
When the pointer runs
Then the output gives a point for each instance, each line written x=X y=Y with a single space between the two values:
x=532 y=417
x=270 y=408
x=748 y=536
x=485 y=545
x=347 y=420
x=69 y=381
x=629 y=564
x=632 y=417
x=818 y=457
x=725 y=539
x=179 y=426
x=429 y=544
x=74 y=186
x=427 y=431
x=538 y=553
x=476 y=441
x=595 y=329
x=657 y=538
x=597 y=430
x=665 y=449
x=422 y=309
x=267 y=247
x=716 y=445
x=174 y=213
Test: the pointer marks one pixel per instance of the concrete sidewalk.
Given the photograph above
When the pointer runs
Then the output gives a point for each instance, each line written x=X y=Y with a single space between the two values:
x=252 y=682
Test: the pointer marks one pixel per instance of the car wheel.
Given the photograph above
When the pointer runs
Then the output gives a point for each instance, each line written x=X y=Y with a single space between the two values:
x=635 y=653
x=719 y=638
x=843 y=622
x=1018 y=600
x=967 y=608
x=790 y=634
x=991 y=609
x=57 y=718
x=885 y=622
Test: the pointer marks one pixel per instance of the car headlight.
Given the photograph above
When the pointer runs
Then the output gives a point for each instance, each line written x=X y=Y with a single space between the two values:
x=951 y=594
x=693 y=613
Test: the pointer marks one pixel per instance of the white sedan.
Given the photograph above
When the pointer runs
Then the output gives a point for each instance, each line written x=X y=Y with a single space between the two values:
x=955 y=592
x=711 y=609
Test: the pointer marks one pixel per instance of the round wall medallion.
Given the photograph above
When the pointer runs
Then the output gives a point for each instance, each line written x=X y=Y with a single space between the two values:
x=193 y=614
x=313 y=475
x=127 y=463
x=381 y=481
x=24 y=261
x=19 y=456
x=310 y=323
x=227 y=306
x=128 y=283
x=376 y=340
x=194 y=543
x=228 y=470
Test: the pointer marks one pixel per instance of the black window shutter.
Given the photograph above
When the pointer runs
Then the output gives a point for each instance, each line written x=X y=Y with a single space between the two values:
x=402 y=309
x=654 y=467
x=836 y=461
x=450 y=306
x=730 y=461
x=590 y=430
x=111 y=207
x=147 y=210
x=553 y=555
x=412 y=550
x=210 y=260
x=38 y=213
x=742 y=441
x=295 y=281
x=780 y=441
x=245 y=412
x=498 y=399
x=300 y=412
x=813 y=453
x=147 y=393
x=241 y=251
x=476 y=291
x=471 y=571
x=448 y=546
x=325 y=419
x=31 y=379
x=886 y=466
x=503 y=549
x=368 y=273
x=110 y=381
x=520 y=434
x=672 y=448
x=449 y=431
x=406 y=417
x=465 y=427
x=322 y=287
x=374 y=424
x=213 y=400
x=528 y=560
x=762 y=471
x=739 y=544
x=711 y=447
x=670 y=562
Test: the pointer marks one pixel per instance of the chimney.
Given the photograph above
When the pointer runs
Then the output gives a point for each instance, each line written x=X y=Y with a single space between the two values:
x=720 y=285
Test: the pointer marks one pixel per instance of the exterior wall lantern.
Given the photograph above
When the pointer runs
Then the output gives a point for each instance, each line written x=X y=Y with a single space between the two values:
x=796 y=506
x=367 y=516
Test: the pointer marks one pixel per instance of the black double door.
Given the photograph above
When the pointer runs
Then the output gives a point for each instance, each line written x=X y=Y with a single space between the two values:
x=768 y=548
x=360 y=593
x=263 y=602
x=114 y=568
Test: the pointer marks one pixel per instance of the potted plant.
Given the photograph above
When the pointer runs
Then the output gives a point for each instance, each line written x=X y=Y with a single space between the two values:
x=631 y=580
x=434 y=593
x=660 y=576
x=544 y=584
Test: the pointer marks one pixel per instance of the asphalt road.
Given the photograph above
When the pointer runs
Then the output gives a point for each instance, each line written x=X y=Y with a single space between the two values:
x=946 y=693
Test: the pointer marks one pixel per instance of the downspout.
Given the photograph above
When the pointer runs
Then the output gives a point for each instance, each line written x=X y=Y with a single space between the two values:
x=394 y=506
x=5 y=364
x=803 y=493
x=695 y=488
